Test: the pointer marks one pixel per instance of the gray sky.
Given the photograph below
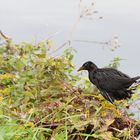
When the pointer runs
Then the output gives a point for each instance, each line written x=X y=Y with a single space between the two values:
x=27 y=20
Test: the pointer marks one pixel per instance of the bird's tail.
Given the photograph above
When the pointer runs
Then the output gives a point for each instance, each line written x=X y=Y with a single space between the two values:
x=123 y=94
x=135 y=84
x=136 y=78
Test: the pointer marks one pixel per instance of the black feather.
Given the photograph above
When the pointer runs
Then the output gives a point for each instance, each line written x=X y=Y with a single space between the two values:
x=113 y=84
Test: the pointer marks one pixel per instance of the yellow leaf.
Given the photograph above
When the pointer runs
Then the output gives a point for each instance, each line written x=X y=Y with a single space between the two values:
x=126 y=104
x=71 y=64
x=107 y=105
x=107 y=135
x=117 y=113
x=118 y=102
x=136 y=95
x=101 y=98
x=109 y=121
x=103 y=113
x=7 y=76
x=30 y=124
x=27 y=92
x=138 y=86
x=87 y=114
x=1 y=98
x=5 y=91
x=31 y=111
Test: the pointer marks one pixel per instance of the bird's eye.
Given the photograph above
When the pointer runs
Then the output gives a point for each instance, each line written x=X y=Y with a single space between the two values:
x=86 y=64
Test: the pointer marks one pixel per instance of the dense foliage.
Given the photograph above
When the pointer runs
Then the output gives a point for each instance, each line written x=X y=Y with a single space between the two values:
x=41 y=99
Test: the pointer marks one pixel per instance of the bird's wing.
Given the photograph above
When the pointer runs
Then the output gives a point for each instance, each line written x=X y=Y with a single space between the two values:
x=109 y=80
x=115 y=72
x=107 y=96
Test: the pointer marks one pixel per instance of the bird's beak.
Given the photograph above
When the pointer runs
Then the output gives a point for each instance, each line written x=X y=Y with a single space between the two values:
x=81 y=68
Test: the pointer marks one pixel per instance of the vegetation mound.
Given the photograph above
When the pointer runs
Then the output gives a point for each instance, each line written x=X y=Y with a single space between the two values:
x=41 y=98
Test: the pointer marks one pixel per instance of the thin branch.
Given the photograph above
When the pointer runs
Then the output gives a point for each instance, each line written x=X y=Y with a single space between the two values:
x=6 y=38
x=95 y=42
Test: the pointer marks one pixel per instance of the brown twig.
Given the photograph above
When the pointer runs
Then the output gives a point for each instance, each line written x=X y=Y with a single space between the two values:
x=6 y=38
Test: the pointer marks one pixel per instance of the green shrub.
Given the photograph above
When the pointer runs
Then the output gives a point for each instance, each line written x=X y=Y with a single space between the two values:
x=39 y=98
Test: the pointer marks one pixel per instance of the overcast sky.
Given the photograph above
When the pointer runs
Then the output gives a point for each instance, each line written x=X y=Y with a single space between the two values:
x=27 y=20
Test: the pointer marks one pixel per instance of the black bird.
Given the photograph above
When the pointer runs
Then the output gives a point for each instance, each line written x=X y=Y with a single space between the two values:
x=113 y=84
